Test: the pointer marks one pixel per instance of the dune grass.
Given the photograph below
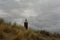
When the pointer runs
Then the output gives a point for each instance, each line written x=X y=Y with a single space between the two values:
x=18 y=32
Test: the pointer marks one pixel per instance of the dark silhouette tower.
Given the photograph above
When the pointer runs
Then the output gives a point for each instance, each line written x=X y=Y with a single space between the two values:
x=26 y=24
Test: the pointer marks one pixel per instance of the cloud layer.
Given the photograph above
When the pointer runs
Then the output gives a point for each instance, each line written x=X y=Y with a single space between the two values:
x=43 y=14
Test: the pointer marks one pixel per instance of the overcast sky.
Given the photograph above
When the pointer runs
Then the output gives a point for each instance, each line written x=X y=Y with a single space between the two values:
x=40 y=13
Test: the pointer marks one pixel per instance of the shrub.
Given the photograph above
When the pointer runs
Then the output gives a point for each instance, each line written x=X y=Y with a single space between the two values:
x=1 y=20
x=45 y=33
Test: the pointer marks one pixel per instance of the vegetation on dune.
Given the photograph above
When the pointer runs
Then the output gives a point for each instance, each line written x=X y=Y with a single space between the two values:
x=18 y=32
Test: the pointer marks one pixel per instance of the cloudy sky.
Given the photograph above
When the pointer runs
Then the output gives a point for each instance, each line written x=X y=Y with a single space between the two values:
x=43 y=14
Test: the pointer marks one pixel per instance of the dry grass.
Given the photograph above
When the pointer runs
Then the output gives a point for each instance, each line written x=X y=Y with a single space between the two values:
x=18 y=32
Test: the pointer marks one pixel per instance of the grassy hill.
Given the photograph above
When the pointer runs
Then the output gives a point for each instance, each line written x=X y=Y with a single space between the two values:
x=18 y=32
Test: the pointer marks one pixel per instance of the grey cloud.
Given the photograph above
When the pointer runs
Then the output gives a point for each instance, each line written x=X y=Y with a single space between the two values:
x=48 y=12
